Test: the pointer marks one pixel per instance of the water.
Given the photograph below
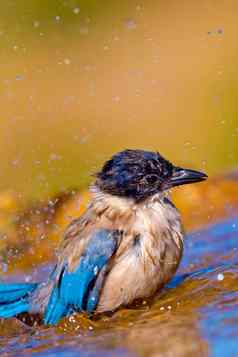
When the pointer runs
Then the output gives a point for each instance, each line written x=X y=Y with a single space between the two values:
x=197 y=313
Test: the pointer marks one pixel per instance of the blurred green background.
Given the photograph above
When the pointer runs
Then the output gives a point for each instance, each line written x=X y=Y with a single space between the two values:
x=80 y=80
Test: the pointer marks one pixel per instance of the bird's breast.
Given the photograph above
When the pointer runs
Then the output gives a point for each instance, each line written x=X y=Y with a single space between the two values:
x=147 y=258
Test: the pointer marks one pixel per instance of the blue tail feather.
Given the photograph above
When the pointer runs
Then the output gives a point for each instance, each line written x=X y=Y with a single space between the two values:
x=68 y=289
x=14 y=298
x=56 y=308
x=13 y=292
x=13 y=309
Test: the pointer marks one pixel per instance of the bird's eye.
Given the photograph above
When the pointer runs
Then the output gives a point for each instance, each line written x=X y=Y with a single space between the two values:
x=151 y=179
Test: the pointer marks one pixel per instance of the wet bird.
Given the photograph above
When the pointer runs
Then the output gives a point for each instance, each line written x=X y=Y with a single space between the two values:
x=126 y=246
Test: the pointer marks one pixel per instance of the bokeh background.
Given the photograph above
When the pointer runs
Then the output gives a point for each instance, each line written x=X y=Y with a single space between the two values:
x=80 y=80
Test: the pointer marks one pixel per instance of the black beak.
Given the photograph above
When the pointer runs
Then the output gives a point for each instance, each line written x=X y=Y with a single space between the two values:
x=184 y=176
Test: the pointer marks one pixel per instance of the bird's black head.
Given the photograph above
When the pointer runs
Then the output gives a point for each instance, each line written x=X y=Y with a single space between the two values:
x=140 y=174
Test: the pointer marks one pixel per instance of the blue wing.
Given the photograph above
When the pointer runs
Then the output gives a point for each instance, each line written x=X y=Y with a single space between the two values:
x=80 y=289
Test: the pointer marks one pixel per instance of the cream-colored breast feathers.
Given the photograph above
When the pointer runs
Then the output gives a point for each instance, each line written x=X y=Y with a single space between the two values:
x=149 y=252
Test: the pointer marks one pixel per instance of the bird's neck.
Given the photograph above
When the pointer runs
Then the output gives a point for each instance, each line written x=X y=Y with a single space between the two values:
x=157 y=208
x=121 y=203
x=101 y=200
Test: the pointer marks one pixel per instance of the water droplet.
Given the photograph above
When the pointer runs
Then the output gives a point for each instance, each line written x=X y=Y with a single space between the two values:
x=83 y=30
x=220 y=277
x=54 y=157
x=3 y=236
x=16 y=162
x=36 y=23
x=72 y=319
x=130 y=24
x=19 y=77
x=76 y=10
x=116 y=98
x=187 y=143
x=4 y=267
x=57 y=18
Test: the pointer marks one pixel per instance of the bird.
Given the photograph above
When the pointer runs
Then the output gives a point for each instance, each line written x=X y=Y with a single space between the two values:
x=125 y=247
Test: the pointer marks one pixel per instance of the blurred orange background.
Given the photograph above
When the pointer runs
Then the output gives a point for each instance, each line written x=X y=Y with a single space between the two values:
x=80 y=80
